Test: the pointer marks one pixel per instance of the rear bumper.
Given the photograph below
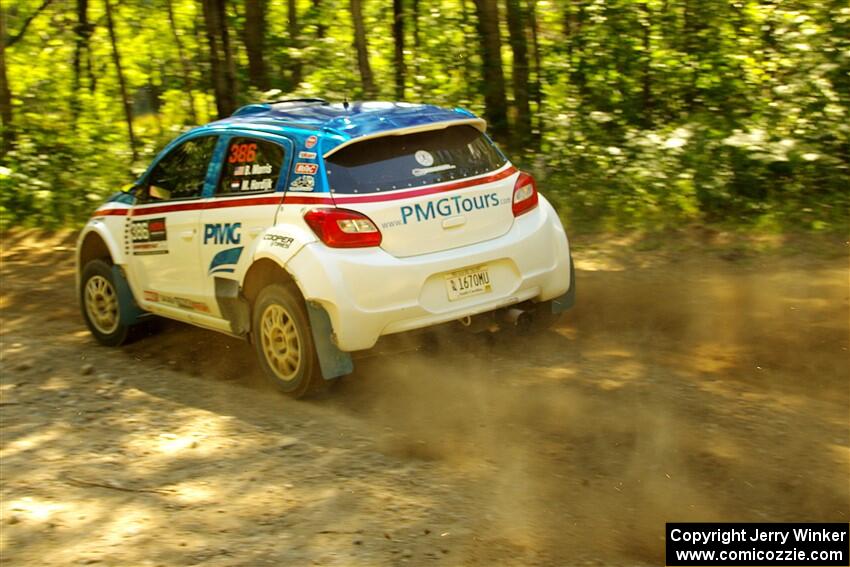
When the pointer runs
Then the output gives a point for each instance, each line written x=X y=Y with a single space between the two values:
x=369 y=293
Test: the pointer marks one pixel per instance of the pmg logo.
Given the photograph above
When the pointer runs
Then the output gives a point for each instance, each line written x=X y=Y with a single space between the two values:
x=222 y=233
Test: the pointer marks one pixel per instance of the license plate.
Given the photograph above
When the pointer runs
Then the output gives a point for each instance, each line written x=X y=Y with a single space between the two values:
x=466 y=283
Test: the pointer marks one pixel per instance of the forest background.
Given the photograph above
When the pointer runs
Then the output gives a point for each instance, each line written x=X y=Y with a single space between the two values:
x=644 y=114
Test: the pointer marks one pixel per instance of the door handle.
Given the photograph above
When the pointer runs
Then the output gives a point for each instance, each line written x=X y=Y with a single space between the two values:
x=188 y=234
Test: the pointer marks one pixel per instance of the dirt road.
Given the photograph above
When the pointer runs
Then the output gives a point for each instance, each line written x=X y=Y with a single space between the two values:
x=693 y=385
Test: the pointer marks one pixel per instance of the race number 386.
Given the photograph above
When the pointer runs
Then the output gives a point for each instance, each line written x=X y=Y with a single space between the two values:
x=139 y=231
x=241 y=153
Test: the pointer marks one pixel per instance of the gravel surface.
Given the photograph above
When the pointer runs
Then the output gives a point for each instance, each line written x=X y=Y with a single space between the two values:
x=684 y=387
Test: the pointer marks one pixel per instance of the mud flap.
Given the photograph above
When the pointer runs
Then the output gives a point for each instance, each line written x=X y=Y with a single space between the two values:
x=233 y=306
x=333 y=362
x=128 y=311
x=566 y=301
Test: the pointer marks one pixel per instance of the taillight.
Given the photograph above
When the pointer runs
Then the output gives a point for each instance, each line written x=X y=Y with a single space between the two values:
x=525 y=194
x=341 y=228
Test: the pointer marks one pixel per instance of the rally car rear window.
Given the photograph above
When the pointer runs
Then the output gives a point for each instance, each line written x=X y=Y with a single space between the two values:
x=412 y=160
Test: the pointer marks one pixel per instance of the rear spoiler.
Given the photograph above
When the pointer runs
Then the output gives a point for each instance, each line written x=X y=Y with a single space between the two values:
x=478 y=123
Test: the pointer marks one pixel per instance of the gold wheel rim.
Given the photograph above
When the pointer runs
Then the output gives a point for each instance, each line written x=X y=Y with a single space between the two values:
x=281 y=342
x=102 y=304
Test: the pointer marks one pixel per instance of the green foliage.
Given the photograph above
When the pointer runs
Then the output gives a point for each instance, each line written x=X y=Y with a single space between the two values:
x=653 y=112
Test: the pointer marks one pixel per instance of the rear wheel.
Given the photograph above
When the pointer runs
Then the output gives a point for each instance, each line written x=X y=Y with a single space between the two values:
x=284 y=341
x=99 y=302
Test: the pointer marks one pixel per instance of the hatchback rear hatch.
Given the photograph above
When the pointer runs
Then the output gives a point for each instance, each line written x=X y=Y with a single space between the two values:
x=426 y=191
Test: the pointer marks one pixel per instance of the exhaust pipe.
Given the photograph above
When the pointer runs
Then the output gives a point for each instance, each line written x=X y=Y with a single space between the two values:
x=520 y=319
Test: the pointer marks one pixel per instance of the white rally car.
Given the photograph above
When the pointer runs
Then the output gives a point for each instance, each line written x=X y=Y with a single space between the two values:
x=313 y=229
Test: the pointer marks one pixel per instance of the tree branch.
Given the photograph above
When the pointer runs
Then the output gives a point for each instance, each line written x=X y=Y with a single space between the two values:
x=15 y=38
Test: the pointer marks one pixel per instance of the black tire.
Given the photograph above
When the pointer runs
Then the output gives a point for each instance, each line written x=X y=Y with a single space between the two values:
x=276 y=307
x=100 y=305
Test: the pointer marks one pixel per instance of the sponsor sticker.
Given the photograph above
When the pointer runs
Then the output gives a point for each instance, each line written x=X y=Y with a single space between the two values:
x=306 y=155
x=420 y=171
x=303 y=183
x=222 y=233
x=306 y=168
x=449 y=206
x=424 y=158
x=279 y=240
x=175 y=301
x=310 y=142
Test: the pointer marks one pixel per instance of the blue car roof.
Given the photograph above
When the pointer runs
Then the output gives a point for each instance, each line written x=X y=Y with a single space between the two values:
x=337 y=123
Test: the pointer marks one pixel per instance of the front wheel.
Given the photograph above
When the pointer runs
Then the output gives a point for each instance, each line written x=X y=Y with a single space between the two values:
x=284 y=341
x=99 y=302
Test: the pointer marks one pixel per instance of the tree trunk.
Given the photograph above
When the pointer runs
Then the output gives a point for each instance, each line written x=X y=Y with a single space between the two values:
x=646 y=82
x=216 y=74
x=184 y=63
x=536 y=86
x=398 y=35
x=491 y=66
x=82 y=30
x=468 y=82
x=362 y=48
x=199 y=30
x=255 y=33
x=691 y=47
x=8 y=138
x=229 y=64
x=122 y=84
x=318 y=13
x=416 y=42
x=577 y=51
x=295 y=42
x=571 y=23
x=519 y=47
x=221 y=62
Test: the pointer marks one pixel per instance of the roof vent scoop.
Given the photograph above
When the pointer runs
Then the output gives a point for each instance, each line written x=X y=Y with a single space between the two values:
x=251 y=109
x=283 y=104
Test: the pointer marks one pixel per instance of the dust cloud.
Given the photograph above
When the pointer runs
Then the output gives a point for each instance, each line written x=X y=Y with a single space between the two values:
x=706 y=392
